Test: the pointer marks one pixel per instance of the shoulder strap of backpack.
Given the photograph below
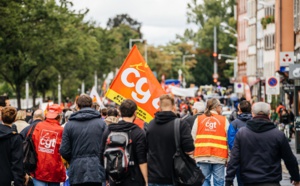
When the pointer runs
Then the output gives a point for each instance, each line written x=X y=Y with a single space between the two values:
x=131 y=160
x=31 y=131
x=177 y=133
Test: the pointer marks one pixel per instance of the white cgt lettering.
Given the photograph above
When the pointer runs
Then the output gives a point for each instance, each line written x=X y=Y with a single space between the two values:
x=125 y=74
x=138 y=87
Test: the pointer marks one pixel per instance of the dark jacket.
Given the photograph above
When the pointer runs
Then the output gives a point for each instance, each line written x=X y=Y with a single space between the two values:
x=138 y=151
x=161 y=146
x=258 y=149
x=11 y=157
x=235 y=125
x=191 y=119
x=26 y=129
x=81 y=142
x=285 y=118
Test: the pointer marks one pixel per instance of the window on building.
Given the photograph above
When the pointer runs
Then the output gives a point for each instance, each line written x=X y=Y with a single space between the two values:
x=270 y=42
x=270 y=11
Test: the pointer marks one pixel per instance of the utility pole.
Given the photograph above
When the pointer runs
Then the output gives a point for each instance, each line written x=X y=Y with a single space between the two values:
x=215 y=75
x=27 y=94
x=59 y=89
x=95 y=80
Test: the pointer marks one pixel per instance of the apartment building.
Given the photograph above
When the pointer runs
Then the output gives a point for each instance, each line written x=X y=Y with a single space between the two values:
x=242 y=48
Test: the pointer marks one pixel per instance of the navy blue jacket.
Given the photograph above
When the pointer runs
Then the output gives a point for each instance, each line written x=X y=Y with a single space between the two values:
x=235 y=125
x=258 y=150
x=81 y=142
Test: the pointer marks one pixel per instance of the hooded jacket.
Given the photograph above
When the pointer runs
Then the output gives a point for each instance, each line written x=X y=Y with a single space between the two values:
x=236 y=125
x=162 y=147
x=258 y=150
x=81 y=142
x=138 y=151
x=11 y=157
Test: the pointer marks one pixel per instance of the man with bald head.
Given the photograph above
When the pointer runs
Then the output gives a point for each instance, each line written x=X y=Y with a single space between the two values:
x=258 y=149
x=38 y=116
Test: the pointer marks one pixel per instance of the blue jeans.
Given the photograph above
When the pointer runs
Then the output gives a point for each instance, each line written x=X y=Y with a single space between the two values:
x=217 y=170
x=41 y=183
x=154 y=184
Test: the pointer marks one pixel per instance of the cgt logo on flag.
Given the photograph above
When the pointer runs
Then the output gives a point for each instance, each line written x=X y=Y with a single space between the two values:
x=136 y=81
x=239 y=87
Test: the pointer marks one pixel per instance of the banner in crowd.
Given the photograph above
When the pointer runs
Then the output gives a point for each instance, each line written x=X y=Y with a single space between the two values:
x=186 y=92
x=136 y=81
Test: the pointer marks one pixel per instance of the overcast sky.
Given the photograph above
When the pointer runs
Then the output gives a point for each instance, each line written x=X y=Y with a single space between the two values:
x=161 y=19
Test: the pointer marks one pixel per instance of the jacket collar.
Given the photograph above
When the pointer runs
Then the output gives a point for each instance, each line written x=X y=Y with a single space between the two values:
x=52 y=121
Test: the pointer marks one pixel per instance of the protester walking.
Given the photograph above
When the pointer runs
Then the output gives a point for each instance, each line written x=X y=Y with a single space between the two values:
x=20 y=120
x=11 y=156
x=125 y=149
x=38 y=116
x=258 y=150
x=197 y=109
x=47 y=135
x=244 y=108
x=211 y=148
x=81 y=143
x=161 y=142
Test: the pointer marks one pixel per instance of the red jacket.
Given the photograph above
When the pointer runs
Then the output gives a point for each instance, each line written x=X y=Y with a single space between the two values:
x=47 y=139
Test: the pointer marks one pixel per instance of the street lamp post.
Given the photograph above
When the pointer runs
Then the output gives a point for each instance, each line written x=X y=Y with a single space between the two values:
x=139 y=40
x=233 y=59
x=183 y=65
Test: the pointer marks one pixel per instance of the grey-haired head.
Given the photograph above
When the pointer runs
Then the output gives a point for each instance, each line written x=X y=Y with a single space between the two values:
x=261 y=108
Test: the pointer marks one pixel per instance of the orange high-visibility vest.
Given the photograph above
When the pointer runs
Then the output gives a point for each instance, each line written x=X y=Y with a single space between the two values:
x=211 y=138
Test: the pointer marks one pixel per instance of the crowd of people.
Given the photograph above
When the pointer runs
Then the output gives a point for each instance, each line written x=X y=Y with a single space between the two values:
x=111 y=146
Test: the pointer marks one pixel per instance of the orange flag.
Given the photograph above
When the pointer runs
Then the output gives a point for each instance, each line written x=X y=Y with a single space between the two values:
x=136 y=81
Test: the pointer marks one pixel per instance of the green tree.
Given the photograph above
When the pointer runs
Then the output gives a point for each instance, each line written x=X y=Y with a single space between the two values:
x=207 y=15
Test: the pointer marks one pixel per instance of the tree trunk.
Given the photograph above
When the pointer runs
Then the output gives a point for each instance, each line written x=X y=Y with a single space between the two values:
x=44 y=96
x=18 y=92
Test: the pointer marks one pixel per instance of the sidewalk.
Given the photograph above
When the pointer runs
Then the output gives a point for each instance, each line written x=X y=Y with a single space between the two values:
x=285 y=174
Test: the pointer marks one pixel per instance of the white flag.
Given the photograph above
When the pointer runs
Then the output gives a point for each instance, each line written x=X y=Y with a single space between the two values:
x=96 y=98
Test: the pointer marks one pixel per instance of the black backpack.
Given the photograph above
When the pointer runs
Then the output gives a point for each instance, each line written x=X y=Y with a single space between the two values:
x=185 y=170
x=117 y=155
x=30 y=157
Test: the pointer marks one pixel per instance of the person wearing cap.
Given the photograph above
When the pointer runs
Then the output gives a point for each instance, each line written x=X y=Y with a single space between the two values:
x=258 y=149
x=67 y=116
x=47 y=137
x=81 y=142
x=197 y=109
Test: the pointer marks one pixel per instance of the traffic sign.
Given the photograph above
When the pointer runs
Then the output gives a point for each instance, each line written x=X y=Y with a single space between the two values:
x=272 y=81
x=272 y=85
x=286 y=58
x=239 y=87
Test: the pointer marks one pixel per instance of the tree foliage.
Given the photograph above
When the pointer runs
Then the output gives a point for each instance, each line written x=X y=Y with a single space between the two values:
x=207 y=15
x=40 y=40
